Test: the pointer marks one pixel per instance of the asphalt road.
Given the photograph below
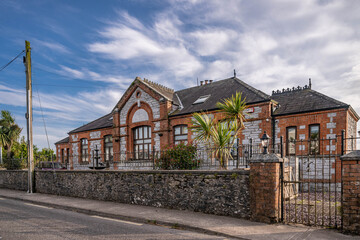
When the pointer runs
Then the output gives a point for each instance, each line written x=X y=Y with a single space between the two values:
x=21 y=220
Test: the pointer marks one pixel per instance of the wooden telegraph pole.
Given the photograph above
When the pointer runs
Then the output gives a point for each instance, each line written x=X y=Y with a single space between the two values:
x=31 y=175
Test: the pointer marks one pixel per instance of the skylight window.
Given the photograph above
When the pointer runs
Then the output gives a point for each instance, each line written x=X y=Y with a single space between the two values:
x=201 y=99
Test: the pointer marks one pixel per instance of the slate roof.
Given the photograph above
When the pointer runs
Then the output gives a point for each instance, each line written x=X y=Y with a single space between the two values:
x=103 y=122
x=218 y=91
x=304 y=100
x=65 y=140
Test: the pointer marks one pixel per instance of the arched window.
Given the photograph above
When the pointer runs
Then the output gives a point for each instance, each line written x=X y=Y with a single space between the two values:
x=84 y=150
x=180 y=134
x=142 y=142
x=108 y=144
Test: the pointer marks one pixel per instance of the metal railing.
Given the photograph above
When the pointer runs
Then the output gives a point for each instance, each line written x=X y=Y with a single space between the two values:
x=201 y=158
x=312 y=180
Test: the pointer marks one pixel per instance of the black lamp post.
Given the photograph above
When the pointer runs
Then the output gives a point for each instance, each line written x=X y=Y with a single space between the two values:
x=265 y=142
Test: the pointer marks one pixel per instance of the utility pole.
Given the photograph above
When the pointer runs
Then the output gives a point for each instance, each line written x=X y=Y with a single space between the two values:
x=31 y=173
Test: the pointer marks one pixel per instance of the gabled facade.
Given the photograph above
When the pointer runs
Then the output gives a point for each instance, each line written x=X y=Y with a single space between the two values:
x=150 y=116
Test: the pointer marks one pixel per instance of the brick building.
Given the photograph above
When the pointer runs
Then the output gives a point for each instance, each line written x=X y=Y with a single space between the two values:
x=150 y=116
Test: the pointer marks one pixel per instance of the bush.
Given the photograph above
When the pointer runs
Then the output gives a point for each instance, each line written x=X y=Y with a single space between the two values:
x=180 y=156
x=13 y=163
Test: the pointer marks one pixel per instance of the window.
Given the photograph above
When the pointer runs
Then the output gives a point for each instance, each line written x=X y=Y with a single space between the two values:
x=84 y=150
x=290 y=140
x=180 y=134
x=201 y=99
x=142 y=142
x=108 y=148
x=235 y=148
x=314 y=136
x=62 y=155
x=67 y=155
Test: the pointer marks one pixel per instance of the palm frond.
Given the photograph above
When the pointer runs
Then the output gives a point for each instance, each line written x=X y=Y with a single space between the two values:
x=202 y=126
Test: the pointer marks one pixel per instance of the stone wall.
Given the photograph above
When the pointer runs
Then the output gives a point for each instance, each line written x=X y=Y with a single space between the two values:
x=15 y=179
x=215 y=192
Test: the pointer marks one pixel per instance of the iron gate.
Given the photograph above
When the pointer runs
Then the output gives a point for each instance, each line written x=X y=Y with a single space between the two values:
x=311 y=181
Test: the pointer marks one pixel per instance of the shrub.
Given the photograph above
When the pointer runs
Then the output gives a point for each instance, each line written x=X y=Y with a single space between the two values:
x=180 y=156
x=13 y=163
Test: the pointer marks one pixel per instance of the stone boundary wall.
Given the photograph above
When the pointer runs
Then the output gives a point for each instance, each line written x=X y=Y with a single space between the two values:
x=14 y=179
x=214 y=192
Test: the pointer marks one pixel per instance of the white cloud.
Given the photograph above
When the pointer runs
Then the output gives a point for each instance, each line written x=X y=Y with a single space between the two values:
x=122 y=42
x=71 y=73
x=211 y=42
x=53 y=46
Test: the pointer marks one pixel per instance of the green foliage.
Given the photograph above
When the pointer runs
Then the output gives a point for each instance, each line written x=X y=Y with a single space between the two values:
x=16 y=152
x=180 y=156
x=9 y=131
x=221 y=135
x=233 y=109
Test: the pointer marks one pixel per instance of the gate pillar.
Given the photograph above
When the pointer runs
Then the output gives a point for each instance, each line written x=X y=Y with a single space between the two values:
x=351 y=191
x=265 y=188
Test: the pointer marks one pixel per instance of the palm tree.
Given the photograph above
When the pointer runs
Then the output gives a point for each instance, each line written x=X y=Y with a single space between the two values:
x=9 y=131
x=202 y=126
x=221 y=135
x=233 y=110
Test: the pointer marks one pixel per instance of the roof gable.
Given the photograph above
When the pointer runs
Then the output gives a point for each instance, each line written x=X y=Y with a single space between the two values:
x=146 y=85
x=218 y=91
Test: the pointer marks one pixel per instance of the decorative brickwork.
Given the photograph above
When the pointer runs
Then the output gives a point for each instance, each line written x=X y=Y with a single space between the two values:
x=265 y=191
x=351 y=192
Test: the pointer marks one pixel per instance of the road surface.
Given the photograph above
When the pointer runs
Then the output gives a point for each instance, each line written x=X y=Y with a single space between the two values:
x=21 y=220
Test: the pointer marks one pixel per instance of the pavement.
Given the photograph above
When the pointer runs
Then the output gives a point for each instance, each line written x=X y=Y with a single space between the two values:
x=206 y=223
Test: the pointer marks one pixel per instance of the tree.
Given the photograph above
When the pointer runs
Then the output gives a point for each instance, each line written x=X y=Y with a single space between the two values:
x=9 y=132
x=221 y=135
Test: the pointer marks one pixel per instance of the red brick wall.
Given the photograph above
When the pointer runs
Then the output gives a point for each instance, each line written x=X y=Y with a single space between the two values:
x=351 y=195
x=322 y=118
x=59 y=148
x=265 y=191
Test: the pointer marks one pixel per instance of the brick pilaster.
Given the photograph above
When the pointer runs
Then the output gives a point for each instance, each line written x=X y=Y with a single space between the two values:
x=351 y=192
x=265 y=185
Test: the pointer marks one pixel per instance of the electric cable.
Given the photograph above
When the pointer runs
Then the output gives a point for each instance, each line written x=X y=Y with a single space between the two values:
x=3 y=67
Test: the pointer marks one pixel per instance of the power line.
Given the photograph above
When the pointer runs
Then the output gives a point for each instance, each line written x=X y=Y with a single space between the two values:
x=3 y=67
x=42 y=114
x=74 y=86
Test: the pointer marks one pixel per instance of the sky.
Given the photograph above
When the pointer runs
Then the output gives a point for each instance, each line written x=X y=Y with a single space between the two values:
x=85 y=53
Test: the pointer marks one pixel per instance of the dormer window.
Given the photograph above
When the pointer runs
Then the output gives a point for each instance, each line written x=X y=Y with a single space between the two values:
x=201 y=99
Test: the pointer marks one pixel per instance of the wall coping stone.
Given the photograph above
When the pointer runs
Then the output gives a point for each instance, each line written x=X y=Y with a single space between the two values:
x=18 y=170
x=354 y=155
x=266 y=158
x=194 y=172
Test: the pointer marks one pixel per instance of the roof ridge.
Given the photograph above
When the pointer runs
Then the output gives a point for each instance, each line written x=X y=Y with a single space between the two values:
x=162 y=87
x=63 y=140
x=90 y=122
x=328 y=98
x=293 y=89
x=256 y=91
x=214 y=82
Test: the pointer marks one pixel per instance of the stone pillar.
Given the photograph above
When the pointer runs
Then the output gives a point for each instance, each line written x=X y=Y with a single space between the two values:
x=265 y=192
x=351 y=191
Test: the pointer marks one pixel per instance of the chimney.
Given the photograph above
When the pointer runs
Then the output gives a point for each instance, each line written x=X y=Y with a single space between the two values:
x=206 y=82
x=201 y=83
x=210 y=81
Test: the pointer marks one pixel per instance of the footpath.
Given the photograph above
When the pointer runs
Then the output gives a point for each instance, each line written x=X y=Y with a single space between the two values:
x=200 y=222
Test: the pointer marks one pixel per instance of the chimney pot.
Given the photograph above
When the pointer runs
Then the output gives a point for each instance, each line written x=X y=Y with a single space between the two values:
x=206 y=82
x=210 y=81
x=201 y=83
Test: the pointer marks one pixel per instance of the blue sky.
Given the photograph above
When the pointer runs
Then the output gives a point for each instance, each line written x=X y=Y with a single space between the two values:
x=86 y=53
